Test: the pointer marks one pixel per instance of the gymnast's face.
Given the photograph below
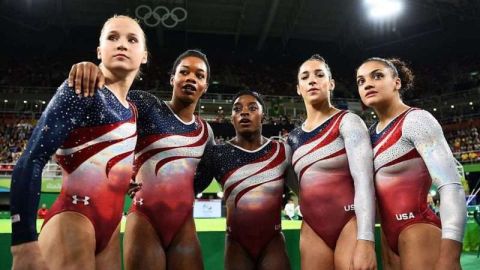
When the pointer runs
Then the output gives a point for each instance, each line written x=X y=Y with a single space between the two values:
x=247 y=114
x=314 y=82
x=377 y=84
x=190 y=79
x=122 y=45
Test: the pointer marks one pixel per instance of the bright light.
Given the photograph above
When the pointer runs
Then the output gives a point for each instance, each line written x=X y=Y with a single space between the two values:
x=199 y=195
x=25 y=101
x=452 y=106
x=220 y=194
x=434 y=109
x=5 y=100
x=372 y=113
x=470 y=103
x=383 y=9
x=43 y=102
x=202 y=107
x=220 y=107
x=433 y=193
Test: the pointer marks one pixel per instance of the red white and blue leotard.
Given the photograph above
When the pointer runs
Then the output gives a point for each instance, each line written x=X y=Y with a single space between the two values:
x=167 y=155
x=253 y=183
x=94 y=139
x=409 y=153
x=333 y=163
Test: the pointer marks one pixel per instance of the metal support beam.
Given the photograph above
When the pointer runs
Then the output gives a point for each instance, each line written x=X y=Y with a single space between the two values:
x=240 y=22
x=292 y=21
x=268 y=23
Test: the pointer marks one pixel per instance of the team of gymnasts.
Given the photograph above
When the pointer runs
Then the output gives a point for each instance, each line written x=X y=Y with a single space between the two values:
x=110 y=140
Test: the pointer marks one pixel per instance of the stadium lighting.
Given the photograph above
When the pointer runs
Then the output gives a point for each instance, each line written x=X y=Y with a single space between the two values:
x=383 y=9
x=434 y=109
x=43 y=102
x=202 y=107
x=220 y=194
x=220 y=107
x=5 y=100
x=470 y=103
x=25 y=101
x=199 y=195
x=452 y=106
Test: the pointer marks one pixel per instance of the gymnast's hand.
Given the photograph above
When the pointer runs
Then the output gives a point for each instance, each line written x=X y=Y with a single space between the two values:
x=364 y=256
x=85 y=77
x=28 y=256
x=133 y=188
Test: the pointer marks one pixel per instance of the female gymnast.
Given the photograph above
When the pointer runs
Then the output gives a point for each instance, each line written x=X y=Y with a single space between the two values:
x=93 y=140
x=410 y=152
x=332 y=158
x=252 y=171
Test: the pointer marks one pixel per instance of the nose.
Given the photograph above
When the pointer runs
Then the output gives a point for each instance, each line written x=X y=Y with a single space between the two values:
x=191 y=78
x=244 y=111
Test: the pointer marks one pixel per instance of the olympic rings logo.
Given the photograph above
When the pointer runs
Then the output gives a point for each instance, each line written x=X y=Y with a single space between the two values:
x=161 y=14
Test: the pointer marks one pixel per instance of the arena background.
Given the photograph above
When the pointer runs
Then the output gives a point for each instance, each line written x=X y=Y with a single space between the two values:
x=253 y=44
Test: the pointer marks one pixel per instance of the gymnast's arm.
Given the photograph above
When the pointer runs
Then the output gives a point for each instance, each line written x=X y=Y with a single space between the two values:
x=204 y=174
x=426 y=134
x=52 y=129
x=360 y=161
x=290 y=176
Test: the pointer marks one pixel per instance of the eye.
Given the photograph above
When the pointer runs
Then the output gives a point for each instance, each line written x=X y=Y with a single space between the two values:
x=360 y=81
x=133 y=40
x=183 y=72
x=237 y=109
x=253 y=108
x=200 y=76
x=112 y=37
x=377 y=76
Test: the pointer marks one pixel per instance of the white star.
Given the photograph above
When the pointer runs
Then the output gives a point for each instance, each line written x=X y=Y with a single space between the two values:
x=45 y=128
x=73 y=120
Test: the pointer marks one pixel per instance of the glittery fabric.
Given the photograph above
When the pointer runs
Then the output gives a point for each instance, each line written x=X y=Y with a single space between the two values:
x=94 y=139
x=333 y=163
x=253 y=186
x=409 y=154
x=167 y=155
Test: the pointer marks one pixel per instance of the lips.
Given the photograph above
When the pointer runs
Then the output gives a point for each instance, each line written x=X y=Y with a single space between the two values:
x=313 y=89
x=370 y=93
x=120 y=55
x=189 y=87
x=244 y=121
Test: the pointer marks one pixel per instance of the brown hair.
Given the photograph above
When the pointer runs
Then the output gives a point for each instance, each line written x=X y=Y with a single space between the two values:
x=399 y=69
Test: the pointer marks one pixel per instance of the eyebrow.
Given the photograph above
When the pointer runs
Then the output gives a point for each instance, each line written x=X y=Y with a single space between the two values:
x=371 y=72
x=185 y=66
x=117 y=33
x=251 y=103
x=306 y=71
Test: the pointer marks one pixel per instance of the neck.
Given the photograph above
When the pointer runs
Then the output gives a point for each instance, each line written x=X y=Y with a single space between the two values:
x=318 y=112
x=251 y=141
x=389 y=111
x=182 y=109
x=118 y=83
